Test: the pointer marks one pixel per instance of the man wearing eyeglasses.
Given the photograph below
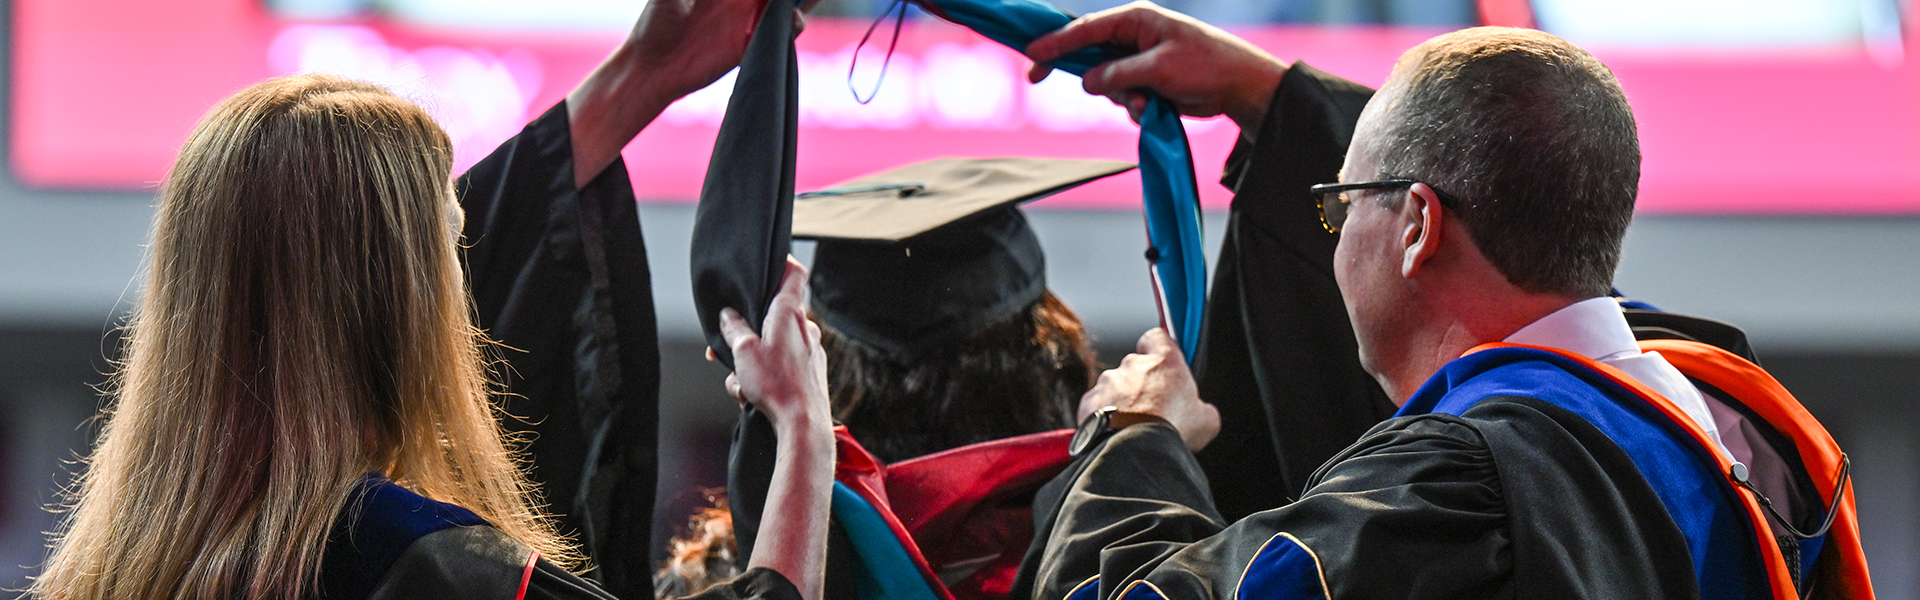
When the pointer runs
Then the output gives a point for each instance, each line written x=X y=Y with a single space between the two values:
x=1482 y=201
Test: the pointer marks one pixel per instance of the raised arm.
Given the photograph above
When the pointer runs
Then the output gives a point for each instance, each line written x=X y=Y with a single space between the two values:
x=676 y=48
x=783 y=372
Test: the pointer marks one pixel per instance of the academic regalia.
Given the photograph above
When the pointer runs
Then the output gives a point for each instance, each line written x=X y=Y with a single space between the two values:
x=1278 y=357
x=970 y=509
x=742 y=232
x=911 y=261
x=1433 y=507
x=1494 y=481
x=956 y=523
x=397 y=544
x=1514 y=472
x=1169 y=193
x=559 y=277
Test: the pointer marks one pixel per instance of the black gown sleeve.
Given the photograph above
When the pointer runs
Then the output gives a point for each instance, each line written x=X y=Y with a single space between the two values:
x=1516 y=498
x=559 y=277
x=1277 y=355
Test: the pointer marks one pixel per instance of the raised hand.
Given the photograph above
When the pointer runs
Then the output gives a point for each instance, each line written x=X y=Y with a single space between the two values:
x=1202 y=70
x=675 y=48
x=782 y=370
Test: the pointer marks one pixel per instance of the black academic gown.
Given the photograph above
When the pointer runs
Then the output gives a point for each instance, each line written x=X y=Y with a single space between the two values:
x=1513 y=499
x=559 y=277
x=1429 y=506
x=1277 y=355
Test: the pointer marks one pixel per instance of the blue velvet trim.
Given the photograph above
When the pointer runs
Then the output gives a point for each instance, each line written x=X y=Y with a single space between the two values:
x=1087 y=590
x=1172 y=204
x=1016 y=23
x=1626 y=302
x=1284 y=569
x=1141 y=590
x=376 y=526
x=1682 y=472
x=886 y=571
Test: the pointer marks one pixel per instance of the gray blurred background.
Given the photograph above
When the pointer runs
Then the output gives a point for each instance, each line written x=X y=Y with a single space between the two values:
x=1832 y=305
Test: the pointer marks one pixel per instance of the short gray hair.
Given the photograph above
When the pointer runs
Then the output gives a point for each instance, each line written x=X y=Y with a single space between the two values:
x=1535 y=138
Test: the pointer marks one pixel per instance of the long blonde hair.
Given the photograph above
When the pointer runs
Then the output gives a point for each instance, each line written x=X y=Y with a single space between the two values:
x=304 y=322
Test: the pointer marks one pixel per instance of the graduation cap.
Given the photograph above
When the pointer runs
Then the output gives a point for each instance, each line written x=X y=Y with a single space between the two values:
x=923 y=255
x=1168 y=188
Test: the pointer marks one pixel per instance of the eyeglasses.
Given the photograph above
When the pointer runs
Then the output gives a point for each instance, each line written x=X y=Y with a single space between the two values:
x=1336 y=201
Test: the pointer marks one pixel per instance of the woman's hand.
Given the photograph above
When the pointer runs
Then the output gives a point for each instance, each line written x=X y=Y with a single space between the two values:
x=685 y=45
x=782 y=370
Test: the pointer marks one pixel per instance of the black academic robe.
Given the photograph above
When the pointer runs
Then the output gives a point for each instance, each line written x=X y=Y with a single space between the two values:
x=1277 y=354
x=559 y=277
x=397 y=544
x=1512 y=498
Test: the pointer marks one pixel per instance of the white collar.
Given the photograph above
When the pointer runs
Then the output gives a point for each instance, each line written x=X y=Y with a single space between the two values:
x=1594 y=328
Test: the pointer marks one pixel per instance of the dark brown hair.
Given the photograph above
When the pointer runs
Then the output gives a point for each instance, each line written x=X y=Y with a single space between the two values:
x=1023 y=375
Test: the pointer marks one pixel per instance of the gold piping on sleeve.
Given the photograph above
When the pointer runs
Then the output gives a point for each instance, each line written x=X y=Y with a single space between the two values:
x=1076 y=589
x=1156 y=590
x=1318 y=569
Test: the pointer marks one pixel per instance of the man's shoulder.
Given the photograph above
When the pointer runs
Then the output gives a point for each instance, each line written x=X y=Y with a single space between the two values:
x=1423 y=448
x=1497 y=424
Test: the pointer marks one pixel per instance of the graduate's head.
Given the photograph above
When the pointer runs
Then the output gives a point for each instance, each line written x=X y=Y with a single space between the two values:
x=1523 y=146
x=942 y=333
x=1022 y=374
x=303 y=322
x=947 y=339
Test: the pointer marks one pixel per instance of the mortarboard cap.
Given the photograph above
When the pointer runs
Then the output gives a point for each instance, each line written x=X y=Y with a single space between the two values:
x=918 y=257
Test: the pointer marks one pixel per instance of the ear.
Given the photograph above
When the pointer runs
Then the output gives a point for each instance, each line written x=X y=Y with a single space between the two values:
x=1421 y=216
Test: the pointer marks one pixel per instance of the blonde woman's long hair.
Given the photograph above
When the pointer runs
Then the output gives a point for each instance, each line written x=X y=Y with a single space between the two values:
x=304 y=322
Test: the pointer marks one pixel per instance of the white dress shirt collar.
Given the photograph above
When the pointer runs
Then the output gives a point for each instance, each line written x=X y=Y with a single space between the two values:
x=1595 y=328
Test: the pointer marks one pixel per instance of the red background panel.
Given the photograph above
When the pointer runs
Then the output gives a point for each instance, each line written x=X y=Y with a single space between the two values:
x=104 y=92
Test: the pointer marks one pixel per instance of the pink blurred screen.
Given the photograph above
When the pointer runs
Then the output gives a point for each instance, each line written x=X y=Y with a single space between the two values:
x=104 y=92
